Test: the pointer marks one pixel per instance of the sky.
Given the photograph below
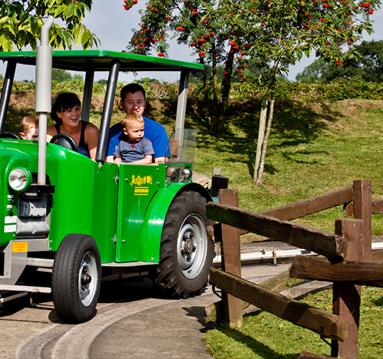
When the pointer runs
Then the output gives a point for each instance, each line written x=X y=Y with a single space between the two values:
x=113 y=26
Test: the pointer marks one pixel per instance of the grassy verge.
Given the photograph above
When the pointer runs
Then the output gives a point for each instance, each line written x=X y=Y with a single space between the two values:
x=313 y=149
x=266 y=336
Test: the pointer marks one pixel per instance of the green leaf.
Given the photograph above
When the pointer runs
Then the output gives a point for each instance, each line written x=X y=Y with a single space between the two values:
x=4 y=20
x=87 y=39
x=70 y=10
x=78 y=31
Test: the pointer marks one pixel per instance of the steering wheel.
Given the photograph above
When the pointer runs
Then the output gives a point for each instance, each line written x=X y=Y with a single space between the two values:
x=8 y=134
x=64 y=140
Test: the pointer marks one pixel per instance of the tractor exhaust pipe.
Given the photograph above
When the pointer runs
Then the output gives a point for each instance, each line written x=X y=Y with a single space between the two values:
x=43 y=95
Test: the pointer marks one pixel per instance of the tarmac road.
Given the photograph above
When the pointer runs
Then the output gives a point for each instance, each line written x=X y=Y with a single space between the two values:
x=132 y=322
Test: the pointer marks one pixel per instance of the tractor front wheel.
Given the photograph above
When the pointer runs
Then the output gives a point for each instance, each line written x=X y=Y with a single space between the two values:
x=76 y=279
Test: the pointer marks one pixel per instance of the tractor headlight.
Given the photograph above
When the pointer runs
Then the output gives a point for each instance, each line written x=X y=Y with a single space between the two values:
x=19 y=179
x=186 y=173
x=178 y=174
x=171 y=173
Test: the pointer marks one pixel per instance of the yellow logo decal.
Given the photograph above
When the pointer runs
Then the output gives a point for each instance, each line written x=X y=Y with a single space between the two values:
x=140 y=184
x=139 y=181
x=19 y=247
x=141 y=191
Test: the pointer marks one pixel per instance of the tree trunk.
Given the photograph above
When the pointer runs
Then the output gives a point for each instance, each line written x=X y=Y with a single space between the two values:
x=264 y=143
x=261 y=136
x=214 y=74
x=212 y=115
x=220 y=109
x=205 y=85
x=226 y=81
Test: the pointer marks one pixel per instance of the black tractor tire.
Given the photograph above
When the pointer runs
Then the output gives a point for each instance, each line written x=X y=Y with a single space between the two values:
x=76 y=279
x=186 y=250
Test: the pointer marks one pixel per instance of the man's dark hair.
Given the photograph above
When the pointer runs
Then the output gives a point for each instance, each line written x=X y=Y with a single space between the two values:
x=131 y=88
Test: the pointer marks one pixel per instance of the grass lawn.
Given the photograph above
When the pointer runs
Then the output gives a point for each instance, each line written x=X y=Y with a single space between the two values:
x=314 y=149
x=265 y=336
x=343 y=144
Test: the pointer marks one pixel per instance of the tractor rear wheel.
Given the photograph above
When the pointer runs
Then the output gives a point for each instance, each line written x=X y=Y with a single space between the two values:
x=186 y=249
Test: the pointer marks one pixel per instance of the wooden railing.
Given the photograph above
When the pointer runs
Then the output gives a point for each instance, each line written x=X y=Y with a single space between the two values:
x=344 y=258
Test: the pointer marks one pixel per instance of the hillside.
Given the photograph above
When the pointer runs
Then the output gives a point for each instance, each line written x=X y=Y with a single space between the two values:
x=314 y=148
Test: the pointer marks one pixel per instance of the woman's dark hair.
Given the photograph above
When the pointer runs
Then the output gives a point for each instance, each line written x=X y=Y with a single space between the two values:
x=63 y=101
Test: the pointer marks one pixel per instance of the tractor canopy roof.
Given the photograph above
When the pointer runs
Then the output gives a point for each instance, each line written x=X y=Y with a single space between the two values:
x=101 y=60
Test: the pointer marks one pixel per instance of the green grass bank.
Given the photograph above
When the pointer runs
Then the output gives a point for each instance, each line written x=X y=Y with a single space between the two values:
x=265 y=336
x=314 y=148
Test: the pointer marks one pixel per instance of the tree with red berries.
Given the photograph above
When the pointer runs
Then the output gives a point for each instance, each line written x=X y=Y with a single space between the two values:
x=21 y=22
x=273 y=34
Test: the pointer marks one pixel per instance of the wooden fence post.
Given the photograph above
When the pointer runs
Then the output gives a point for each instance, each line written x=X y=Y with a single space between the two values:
x=346 y=297
x=231 y=262
x=363 y=210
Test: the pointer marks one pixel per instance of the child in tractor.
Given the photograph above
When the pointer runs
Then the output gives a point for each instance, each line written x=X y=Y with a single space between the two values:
x=133 y=147
x=29 y=129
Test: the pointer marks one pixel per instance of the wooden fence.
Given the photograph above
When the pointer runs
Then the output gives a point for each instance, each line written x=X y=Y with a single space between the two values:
x=344 y=258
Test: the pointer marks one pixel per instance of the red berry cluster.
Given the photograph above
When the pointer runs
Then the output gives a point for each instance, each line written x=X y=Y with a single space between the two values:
x=194 y=12
x=367 y=7
x=129 y=3
x=325 y=4
x=234 y=46
x=199 y=43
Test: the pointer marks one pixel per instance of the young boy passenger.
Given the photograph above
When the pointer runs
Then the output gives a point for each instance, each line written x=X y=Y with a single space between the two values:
x=133 y=146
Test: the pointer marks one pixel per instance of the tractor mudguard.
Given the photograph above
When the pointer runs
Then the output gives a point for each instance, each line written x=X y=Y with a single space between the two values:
x=156 y=214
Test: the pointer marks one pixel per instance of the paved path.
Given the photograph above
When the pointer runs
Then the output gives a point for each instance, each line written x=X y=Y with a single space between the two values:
x=131 y=323
x=173 y=330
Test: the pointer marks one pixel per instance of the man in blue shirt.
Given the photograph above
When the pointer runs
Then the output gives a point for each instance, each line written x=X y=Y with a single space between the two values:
x=133 y=100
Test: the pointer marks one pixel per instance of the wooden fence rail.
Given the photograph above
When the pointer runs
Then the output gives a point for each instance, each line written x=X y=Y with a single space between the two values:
x=284 y=231
x=327 y=325
x=317 y=268
x=348 y=262
x=377 y=207
x=313 y=205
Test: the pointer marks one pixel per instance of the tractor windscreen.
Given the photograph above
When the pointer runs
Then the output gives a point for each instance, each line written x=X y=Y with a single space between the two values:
x=182 y=145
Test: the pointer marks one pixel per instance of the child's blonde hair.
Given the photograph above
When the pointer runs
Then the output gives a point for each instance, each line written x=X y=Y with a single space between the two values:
x=27 y=122
x=131 y=117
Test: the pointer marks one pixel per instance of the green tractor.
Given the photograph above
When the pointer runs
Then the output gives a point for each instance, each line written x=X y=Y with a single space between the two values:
x=78 y=219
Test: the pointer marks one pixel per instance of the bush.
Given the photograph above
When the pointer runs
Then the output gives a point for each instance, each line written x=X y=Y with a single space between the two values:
x=335 y=90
